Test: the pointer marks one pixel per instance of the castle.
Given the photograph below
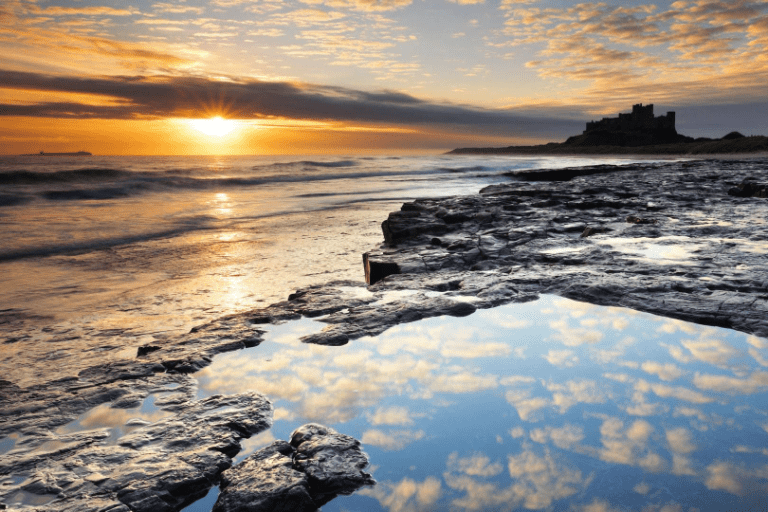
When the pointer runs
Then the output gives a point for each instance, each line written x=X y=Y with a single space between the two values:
x=640 y=120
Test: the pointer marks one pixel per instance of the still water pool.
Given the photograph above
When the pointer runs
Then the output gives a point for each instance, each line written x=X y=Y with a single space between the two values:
x=552 y=404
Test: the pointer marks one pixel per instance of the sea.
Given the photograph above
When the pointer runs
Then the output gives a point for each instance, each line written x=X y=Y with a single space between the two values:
x=548 y=405
x=138 y=246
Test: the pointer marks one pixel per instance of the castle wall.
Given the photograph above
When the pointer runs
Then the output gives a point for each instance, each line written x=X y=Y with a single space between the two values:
x=641 y=119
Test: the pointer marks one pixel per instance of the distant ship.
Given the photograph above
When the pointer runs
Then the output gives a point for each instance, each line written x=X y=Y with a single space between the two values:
x=76 y=153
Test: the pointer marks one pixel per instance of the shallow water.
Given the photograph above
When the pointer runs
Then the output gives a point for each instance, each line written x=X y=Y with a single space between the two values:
x=548 y=404
x=110 y=252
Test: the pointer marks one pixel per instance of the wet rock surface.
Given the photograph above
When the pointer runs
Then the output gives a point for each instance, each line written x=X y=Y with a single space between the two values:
x=316 y=466
x=671 y=239
x=158 y=466
x=664 y=238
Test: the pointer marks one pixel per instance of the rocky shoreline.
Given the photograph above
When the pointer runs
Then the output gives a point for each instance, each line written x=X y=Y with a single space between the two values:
x=725 y=146
x=684 y=240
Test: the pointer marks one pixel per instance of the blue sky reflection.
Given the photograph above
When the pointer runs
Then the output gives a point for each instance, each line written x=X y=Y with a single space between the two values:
x=552 y=403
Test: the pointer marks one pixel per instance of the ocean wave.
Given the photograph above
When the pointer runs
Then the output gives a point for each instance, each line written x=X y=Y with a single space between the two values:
x=159 y=183
x=308 y=163
x=89 y=184
x=24 y=177
x=92 y=245
x=473 y=168
x=340 y=163
x=86 y=194
x=13 y=200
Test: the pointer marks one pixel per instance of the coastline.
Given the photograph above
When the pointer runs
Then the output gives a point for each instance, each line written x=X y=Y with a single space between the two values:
x=733 y=147
x=508 y=243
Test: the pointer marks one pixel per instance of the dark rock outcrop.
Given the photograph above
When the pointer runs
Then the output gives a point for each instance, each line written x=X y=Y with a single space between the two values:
x=162 y=466
x=748 y=189
x=674 y=242
x=375 y=271
x=316 y=466
x=587 y=145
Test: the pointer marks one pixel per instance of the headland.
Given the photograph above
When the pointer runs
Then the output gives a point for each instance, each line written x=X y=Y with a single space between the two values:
x=74 y=153
x=635 y=133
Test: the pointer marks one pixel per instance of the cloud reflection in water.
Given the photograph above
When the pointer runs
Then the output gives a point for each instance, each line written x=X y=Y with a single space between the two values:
x=528 y=406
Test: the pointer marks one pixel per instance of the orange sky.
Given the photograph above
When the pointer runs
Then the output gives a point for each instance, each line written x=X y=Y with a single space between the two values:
x=334 y=76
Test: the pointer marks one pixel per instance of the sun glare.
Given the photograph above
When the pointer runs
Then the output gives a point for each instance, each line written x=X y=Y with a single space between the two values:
x=215 y=126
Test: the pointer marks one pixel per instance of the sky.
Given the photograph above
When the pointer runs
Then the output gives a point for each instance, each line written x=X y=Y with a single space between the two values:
x=334 y=76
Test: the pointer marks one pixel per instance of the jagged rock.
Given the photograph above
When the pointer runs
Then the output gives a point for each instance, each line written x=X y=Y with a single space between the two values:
x=161 y=466
x=400 y=225
x=333 y=462
x=634 y=219
x=316 y=466
x=748 y=189
x=592 y=231
x=265 y=481
x=375 y=271
x=527 y=246
x=146 y=349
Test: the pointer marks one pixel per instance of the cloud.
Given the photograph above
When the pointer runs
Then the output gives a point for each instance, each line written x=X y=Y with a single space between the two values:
x=736 y=479
x=629 y=445
x=621 y=52
x=81 y=11
x=475 y=465
x=667 y=372
x=176 y=8
x=596 y=505
x=710 y=350
x=362 y=5
x=391 y=416
x=757 y=381
x=538 y=481
x=679 y=392
x=567 y=437
x=394 y=440
x=642 y=488
x=525 y=405
x=407 y=495
x=462 y=382
x=681 y=445
x=562 y=358
x=188 y=96
x=576 y=391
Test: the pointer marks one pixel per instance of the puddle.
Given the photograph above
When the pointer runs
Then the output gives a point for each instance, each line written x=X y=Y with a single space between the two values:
x=118 y=422
x=7 y=443
x=668 y=250
x=564 y=250
x=28 y=498
x=549 y=404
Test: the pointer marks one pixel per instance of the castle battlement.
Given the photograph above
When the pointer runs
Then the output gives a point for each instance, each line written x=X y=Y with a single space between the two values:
x=641 y=120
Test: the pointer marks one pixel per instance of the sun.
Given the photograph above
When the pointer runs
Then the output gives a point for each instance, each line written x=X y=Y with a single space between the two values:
x=215 y=126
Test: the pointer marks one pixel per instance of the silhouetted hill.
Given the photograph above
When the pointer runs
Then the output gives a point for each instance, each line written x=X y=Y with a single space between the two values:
x=638 y=132
x=586 y=145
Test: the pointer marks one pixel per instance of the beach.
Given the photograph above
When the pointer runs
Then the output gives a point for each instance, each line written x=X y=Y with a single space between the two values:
x=520 y=397
x=122 y=251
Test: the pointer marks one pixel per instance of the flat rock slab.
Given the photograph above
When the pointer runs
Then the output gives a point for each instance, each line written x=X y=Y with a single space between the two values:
x=316 y=466
x=162 y=466
x=671 y=239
